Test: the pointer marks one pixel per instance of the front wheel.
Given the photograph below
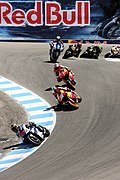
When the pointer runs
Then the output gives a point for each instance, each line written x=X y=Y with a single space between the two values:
x=84 y=55
x=107 y=55
x=54 y=55
x=71 y=85
x=67 y=54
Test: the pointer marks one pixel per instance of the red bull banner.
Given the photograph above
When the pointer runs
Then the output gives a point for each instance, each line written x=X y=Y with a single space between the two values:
x=70 y=19
x=53 y=14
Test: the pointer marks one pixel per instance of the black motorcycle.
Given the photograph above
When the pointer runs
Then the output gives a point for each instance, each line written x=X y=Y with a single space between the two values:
x=72 y=51
x=91 y=52
x=55 y=50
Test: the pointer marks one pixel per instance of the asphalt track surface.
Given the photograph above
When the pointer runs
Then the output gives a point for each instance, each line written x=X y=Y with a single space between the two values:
x=85 y=144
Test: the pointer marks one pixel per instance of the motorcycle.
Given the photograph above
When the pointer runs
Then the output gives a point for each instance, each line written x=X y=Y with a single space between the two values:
x=109 y=29
x=71 y=98
x=33 y=134
x=56 y=49
x=72 y=51
x=112 y=29
x=111 y=55
x=91 y=52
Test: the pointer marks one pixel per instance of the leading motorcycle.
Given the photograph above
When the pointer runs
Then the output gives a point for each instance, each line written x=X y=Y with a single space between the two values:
x=55 y=50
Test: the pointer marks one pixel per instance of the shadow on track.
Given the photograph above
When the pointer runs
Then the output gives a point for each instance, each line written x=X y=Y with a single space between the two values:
x=61 y=108
x=19 y=146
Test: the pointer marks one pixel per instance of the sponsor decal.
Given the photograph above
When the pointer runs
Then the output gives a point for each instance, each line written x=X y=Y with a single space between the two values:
x=52 y=14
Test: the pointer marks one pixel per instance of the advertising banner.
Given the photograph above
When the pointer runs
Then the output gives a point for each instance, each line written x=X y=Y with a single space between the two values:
x=43 y=20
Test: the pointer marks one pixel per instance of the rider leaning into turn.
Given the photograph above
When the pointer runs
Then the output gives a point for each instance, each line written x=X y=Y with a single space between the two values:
x=115 y=50
x=63 y=72
x=76 y=48
x=18 y=129
x=61 y=94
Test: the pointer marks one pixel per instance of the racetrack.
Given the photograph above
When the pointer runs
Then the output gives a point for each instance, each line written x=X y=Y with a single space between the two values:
x=85 y=144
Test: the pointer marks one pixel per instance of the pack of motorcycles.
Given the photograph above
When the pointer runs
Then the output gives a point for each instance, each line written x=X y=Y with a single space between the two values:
x=34 y=134
x=74 y=50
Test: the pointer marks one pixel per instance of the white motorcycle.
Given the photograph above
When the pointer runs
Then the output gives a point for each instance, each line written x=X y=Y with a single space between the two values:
x=32 y=134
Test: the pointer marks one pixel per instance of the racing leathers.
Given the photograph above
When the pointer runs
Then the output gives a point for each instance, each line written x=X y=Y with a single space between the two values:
x=64 y=74
x=62 y=94
x=56 y=41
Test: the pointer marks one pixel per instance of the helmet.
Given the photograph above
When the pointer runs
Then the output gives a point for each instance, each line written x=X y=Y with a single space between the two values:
x=58 y=38
x=14 y=127
x=56 y=67
x=100 y=47
x=113 y=49
x=73 y=48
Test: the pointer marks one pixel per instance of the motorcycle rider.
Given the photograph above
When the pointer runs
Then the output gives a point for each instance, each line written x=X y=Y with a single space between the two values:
x=19 y=130
x=115 y=50
x=61 y=94
x=76 y=48
x=63 y=72
x=56 y=40
x=97 y=49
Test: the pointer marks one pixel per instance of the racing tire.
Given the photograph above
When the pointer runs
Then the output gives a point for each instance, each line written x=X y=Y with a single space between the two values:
x=34 y=139
x=107 y=55
x=67 y=55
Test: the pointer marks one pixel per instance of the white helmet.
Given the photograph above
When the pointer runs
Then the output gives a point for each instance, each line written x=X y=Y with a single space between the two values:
x=58 y=38
x=56 y=65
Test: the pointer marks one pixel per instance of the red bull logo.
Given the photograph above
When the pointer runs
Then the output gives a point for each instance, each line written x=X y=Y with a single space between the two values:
x=53 y=14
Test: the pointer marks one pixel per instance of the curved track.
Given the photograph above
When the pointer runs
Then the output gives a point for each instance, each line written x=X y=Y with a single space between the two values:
x=85 y=144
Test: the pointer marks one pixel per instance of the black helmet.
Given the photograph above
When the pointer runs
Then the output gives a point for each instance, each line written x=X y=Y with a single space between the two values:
x=14 y=127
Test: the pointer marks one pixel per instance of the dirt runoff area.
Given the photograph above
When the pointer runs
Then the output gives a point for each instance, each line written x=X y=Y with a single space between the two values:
x=10 y=112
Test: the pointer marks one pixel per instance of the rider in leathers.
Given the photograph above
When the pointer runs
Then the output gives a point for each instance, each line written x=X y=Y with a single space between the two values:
x=18 y=129
x=63 y=72
x=62 y=94
x=115 y=50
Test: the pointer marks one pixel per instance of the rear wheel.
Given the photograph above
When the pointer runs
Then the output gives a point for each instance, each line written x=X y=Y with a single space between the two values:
x=34 y=139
